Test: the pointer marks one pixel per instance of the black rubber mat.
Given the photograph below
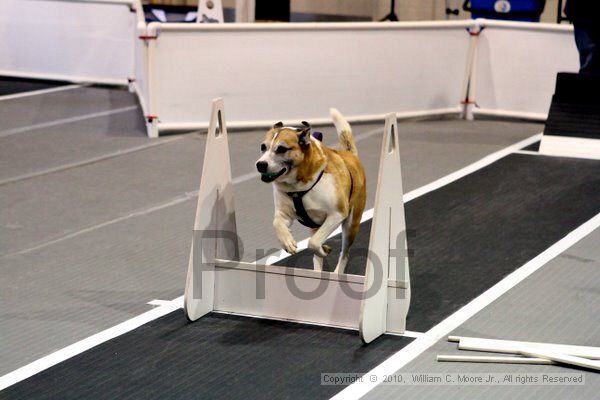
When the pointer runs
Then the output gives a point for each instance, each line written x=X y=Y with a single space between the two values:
x=466 y=236
x=573 y=120
x=219 y=357
x=533 y=147
x=575 y=108
x=9 y=85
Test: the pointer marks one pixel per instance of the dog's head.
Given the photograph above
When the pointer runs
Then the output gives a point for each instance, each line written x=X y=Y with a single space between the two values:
x=283 y=149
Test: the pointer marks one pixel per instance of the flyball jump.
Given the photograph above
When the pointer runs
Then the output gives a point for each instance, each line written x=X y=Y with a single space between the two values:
x=217 y=281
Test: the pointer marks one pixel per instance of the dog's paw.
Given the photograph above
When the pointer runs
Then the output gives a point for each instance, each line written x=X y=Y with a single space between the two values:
x=322 y=250
x=290 y=245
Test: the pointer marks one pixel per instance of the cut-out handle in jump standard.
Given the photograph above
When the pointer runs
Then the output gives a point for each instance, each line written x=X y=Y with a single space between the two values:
x=382 y=308
x=210 y=11
x=215 y=234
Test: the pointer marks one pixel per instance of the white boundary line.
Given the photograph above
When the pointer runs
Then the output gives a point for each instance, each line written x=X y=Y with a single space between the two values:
x=414 y=349
x=79 y=347
x=62 y=121
x=529 y=152
x=159 y=303
x=88 y=161
x=38 y=92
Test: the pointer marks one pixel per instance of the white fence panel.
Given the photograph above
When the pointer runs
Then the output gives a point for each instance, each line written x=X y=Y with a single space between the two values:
x=517 y=65
x=70 y=40
x=291 y=72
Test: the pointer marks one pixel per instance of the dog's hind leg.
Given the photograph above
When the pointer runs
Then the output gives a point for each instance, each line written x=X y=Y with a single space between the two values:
x=344 y=253
x=318 y=262
x=349 y=230
x=317 y=259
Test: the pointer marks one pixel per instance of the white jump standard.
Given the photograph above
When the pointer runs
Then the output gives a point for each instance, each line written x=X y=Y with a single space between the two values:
x=218 y=281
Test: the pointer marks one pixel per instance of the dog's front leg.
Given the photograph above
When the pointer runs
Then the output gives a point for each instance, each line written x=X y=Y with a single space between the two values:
x=282 y=223
x=318 y=238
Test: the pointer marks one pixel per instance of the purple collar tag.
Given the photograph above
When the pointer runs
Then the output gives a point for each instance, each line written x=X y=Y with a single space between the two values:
x=318 y=136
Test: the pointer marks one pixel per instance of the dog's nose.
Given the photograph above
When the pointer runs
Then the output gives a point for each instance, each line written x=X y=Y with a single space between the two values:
x=261 y=166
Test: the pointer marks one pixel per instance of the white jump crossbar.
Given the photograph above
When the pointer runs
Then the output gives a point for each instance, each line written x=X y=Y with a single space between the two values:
x=218 y=281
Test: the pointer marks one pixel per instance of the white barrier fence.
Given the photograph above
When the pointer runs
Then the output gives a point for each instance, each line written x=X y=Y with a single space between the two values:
x=272 y=71
x=73 y=40
x=516 y=67
x=293 y=72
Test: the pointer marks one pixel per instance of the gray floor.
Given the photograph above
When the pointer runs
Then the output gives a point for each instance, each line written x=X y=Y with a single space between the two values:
x=89 y=235
x=559 y=303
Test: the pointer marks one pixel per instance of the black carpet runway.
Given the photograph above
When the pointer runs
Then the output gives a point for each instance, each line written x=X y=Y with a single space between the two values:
x=464 y=238
x=533 y=147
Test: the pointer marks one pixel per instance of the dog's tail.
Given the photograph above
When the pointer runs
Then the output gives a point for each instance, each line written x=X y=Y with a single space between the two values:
x=344 y=131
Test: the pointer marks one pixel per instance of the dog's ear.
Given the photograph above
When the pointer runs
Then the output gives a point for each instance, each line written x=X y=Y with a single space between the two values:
x=304 y=134
x=278 y=125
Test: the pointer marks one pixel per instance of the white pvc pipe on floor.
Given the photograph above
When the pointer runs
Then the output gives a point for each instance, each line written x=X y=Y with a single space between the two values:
x=493 y=359
x=516 y=347
x=563 y=358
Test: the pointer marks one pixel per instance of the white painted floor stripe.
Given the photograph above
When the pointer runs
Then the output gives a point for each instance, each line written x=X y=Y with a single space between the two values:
x=159 y=302
x=131 y=324
x=38 y=92
x=529 y=152
x=92 y=160
x=63 y=121
x=441 y=330
x=413 y=334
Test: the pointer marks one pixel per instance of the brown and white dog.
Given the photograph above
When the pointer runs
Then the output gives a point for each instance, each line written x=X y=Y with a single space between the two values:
x=319 y=186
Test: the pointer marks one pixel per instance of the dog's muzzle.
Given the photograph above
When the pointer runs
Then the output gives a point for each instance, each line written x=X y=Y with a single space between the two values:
x=271 y=176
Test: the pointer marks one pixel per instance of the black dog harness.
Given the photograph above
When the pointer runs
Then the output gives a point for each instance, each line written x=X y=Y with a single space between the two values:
x=301 y=213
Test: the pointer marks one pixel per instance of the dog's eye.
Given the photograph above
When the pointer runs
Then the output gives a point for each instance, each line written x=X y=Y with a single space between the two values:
x=263 y=147
x=281 y=149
